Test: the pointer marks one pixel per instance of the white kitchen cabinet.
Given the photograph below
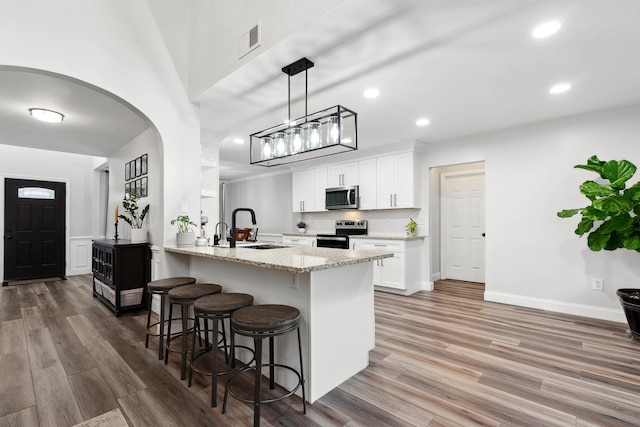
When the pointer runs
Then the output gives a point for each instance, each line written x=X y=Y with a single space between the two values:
x=368 y=186
x=343 y=175
x=400 y=274
x=308 y=189
x=299 y=240
x=396 y=181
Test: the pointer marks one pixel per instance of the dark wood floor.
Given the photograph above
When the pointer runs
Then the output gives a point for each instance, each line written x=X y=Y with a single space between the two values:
x=442 y=358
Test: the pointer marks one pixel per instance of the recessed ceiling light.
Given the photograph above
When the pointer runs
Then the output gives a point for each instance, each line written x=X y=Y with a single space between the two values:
x=422 y=122
x=45 y=115
x=560 y=88
x=546 y=29
x=238 y=140
x=371 y=93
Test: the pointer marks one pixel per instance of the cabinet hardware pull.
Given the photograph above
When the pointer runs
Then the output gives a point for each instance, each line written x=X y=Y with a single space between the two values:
x=391 y=200
x=395 y=200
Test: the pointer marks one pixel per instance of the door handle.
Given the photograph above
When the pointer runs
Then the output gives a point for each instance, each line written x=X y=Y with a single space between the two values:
x=484 y=234
x=7 y=236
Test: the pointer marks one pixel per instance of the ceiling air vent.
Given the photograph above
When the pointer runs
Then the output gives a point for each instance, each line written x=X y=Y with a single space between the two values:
x=249 y=41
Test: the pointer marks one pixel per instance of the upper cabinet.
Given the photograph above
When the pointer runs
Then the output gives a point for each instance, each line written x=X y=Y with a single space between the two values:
x=308 y=189
x=368 y=187
x=396 y=181
x=343 y=175
x=386 y=182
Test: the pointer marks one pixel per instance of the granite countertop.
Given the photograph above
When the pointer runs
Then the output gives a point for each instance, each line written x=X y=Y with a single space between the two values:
x=296 y=259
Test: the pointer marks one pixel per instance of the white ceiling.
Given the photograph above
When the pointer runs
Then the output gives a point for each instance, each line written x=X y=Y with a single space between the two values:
x=470 y=66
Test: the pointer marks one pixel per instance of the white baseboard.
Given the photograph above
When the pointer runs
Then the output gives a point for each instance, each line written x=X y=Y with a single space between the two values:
x=435 y=276
x=427 y=286
x=557 y=306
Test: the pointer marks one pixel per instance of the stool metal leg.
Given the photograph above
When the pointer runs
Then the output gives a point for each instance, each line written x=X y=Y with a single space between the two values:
x=231 y=355
x=214 y=364
x=193 y=350
x=146 y=341
x=166 y=352
x=304 y=396
x=272 y=368
x=257 y=400
x=163 y=300
x=185 y=333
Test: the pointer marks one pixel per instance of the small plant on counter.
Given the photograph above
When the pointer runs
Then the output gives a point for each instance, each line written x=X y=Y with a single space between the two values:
x=134 y=218
x=183 y=222
x=411 y=227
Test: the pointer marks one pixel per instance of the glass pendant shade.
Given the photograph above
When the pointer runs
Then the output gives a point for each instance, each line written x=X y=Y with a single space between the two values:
x=314 y=136
x=296 y=140
x=333 y=130
x=281 y=145
x=267 y=148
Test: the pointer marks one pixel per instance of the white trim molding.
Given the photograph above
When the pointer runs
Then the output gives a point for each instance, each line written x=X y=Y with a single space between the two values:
x=557 y=306
x=79 y=260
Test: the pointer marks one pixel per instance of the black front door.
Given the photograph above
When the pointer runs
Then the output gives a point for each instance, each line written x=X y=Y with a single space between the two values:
x=34 y=229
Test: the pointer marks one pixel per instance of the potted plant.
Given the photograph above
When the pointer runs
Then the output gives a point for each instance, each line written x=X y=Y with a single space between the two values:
x=185 y=236
x=302 y=226
x=612 y=220
x=135 y=218
x=411 y=228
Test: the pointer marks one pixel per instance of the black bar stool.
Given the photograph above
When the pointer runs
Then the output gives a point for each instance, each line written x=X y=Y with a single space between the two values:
x=185 y=296
x=259 y=322
x=161 y=287
x=216 y=307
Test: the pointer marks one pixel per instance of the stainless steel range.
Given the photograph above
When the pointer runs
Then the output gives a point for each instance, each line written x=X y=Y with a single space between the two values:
x=344 y=229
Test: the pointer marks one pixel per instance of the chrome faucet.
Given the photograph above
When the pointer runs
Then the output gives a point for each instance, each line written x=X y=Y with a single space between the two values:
x=216 y=236
x=232 y=243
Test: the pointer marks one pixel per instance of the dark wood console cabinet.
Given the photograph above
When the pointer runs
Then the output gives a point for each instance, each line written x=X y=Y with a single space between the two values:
x=121 y=271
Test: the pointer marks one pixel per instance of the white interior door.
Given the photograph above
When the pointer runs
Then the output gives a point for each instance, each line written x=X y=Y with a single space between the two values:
x=463 y=226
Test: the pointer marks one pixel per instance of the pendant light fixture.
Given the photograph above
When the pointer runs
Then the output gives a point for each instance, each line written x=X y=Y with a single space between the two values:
x=323 y=133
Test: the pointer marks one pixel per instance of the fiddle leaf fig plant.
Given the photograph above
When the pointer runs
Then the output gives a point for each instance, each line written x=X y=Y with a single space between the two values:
x=612 y=219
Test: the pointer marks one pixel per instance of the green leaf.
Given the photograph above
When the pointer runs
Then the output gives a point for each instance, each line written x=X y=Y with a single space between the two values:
x=584 y=226
x=594 y=214
x=618 y=172
x=593 y=164
x=632 y=242
x=593 y=189
x=597 y=241
x=614 y=204
x=622 y=221
x=568 y=213
x=606 y=227
x=614 y=242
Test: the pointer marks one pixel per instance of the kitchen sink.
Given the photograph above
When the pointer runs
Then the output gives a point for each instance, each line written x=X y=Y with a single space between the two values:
x=265 y=246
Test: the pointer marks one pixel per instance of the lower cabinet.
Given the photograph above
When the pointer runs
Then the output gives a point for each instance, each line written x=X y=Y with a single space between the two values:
x=400 y=274
x=121 y=271
x=299 y=240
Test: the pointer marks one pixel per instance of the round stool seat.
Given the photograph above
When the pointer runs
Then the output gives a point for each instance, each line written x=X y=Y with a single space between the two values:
x=219 y=304
x=165 y=285
x=189 y=293
x=161 y=287
x=265 y=318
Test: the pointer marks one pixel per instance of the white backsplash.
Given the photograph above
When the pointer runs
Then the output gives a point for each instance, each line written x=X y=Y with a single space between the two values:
x=380 y=222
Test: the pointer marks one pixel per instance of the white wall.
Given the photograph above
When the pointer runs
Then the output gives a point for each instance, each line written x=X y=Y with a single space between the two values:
x=533 y=258
x=268 y=195
x=77 y=172
x=117 y=47
x=145 y=143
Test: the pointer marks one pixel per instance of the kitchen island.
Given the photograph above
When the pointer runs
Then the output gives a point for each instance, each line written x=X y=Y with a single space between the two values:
x=332 y=288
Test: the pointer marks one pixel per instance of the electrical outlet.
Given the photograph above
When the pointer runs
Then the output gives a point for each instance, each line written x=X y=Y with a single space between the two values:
x=597 y=284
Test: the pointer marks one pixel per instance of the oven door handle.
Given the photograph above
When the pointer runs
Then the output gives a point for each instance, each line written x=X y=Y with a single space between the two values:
x=334 y=239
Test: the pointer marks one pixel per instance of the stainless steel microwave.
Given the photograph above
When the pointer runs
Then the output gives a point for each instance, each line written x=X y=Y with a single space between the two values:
x=342 y=198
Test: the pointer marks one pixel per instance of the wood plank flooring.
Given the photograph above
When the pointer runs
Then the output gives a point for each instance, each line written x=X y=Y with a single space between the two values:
x=442 y=358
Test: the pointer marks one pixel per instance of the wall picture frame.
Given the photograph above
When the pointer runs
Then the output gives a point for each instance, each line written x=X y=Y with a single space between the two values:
x=144 y=183
x=127 y=172
x=127 y=190
x=145 y=164
x=138 y=184
x=138 y=163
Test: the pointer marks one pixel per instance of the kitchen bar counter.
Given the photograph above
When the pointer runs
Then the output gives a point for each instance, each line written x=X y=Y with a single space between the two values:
x=292 y=259
x=332 y=288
